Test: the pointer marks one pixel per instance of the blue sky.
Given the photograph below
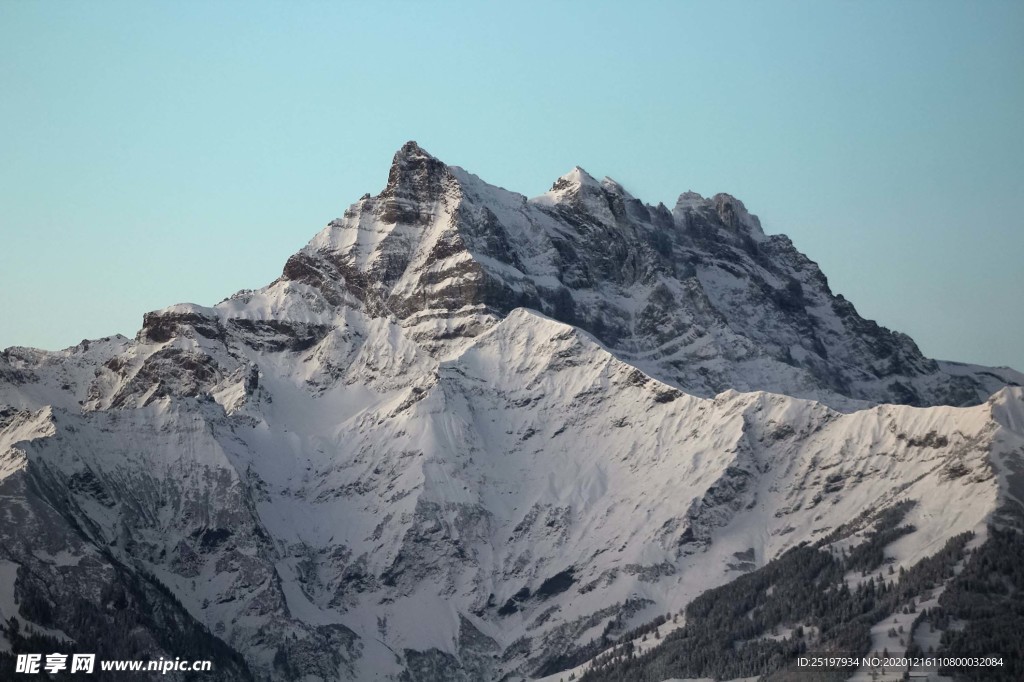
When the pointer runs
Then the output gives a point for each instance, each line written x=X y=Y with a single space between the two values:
x=162 y=152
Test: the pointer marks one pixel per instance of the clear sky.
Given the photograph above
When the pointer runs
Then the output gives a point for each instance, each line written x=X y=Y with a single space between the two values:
x=156 y=152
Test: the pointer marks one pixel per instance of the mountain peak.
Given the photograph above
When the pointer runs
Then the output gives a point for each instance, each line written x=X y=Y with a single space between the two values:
x=689 y=199
x=412 y=158
x=729 y=211
x=415 y=176
x=574 y=179
x=410 y=151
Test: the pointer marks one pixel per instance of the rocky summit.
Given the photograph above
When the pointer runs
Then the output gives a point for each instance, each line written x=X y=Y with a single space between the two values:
x=468 y=435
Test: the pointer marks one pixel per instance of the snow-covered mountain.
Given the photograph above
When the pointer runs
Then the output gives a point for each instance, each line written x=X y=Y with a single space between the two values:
x=465 y=433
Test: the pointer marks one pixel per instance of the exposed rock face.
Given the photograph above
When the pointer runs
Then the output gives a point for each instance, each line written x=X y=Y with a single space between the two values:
x=466 y=432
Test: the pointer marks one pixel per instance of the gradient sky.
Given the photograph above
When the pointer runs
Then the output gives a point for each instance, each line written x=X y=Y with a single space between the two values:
x=153 y=153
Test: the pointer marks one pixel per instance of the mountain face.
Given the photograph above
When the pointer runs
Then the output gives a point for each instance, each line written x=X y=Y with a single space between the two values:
x=699 y=297
x=465 y=434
